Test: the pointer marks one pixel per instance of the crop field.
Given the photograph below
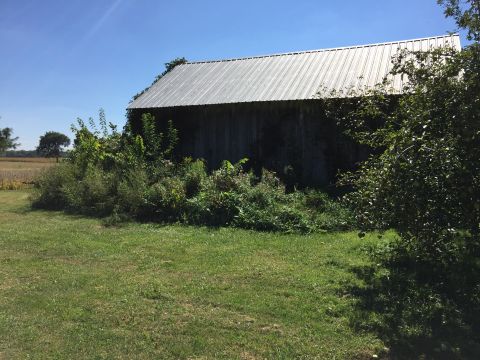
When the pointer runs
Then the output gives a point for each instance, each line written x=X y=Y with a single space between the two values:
x=19 y=173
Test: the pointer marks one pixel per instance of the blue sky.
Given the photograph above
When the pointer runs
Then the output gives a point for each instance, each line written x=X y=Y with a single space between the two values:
x=60 y=60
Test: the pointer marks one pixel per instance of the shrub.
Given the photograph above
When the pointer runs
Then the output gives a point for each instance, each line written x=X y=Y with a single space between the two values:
x=50 y=188
x=122 y=176
x=131 y=194
x=230 y=177
x=330 y=214
x=211 y=207
x=94 y=194
x=194 y=175
x=274 y=218
x=165 y=200
x=266 y=206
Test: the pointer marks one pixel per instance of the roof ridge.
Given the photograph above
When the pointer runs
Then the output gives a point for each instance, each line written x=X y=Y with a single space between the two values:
x=324 y=50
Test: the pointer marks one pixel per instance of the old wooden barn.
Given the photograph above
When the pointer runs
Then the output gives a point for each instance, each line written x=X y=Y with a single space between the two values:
x=267 y=108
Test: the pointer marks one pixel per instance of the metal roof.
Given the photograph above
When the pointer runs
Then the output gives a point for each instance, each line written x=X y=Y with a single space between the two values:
x=282 y=77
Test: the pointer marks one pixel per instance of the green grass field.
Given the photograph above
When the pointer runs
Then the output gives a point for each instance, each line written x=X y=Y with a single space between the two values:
x=72 y=288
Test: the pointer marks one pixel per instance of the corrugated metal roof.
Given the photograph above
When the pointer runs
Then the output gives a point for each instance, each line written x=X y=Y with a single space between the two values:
x=281 y=77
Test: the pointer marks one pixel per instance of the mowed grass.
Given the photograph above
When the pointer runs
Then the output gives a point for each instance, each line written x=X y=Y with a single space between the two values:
x=18 y=173
x=72 y=288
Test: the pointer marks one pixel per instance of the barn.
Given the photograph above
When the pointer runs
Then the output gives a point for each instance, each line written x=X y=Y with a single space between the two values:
x=269 y=108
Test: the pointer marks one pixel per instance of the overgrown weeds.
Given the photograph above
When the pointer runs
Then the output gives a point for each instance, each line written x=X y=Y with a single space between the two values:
x=126 y=176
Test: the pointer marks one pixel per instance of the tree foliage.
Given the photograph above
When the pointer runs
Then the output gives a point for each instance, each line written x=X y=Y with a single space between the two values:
x=51 y=144
x=104 y=146
x=466 y=14
x=7 y=141
x=424 y=177
x=423 y=180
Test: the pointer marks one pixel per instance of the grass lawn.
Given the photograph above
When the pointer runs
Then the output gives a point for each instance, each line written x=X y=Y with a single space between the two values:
x=72 y=288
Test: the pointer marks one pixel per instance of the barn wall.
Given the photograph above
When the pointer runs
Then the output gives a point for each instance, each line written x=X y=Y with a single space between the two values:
x=272 y=135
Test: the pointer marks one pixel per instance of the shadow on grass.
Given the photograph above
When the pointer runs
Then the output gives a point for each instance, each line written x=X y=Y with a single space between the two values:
x=417 y=316
x=106 y=219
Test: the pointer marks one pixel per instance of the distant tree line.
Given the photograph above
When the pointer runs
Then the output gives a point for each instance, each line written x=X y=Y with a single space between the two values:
x=28 y=154
x=51 y=144
x=21 y=153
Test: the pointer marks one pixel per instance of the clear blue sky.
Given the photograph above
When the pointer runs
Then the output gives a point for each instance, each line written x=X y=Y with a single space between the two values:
x=64 y=59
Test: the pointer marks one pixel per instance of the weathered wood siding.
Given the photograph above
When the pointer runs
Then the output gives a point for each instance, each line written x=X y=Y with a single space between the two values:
x=271 y=134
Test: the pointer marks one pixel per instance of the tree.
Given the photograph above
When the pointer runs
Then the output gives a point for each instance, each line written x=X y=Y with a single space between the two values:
x=51 y=144
x=423 y=180
x=6 y=140
x=424 y=177
x=466 y=14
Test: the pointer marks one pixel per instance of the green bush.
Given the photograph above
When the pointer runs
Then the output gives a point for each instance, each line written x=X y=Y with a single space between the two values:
x=275 y=218
x=330 y=214
x=126 y=176
x=166 y=200
x=266 y=206
x=213 y=208
x=50 y=187
x=188 y=194
x=194 y=174
x=131 y=194
x=94 y=193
